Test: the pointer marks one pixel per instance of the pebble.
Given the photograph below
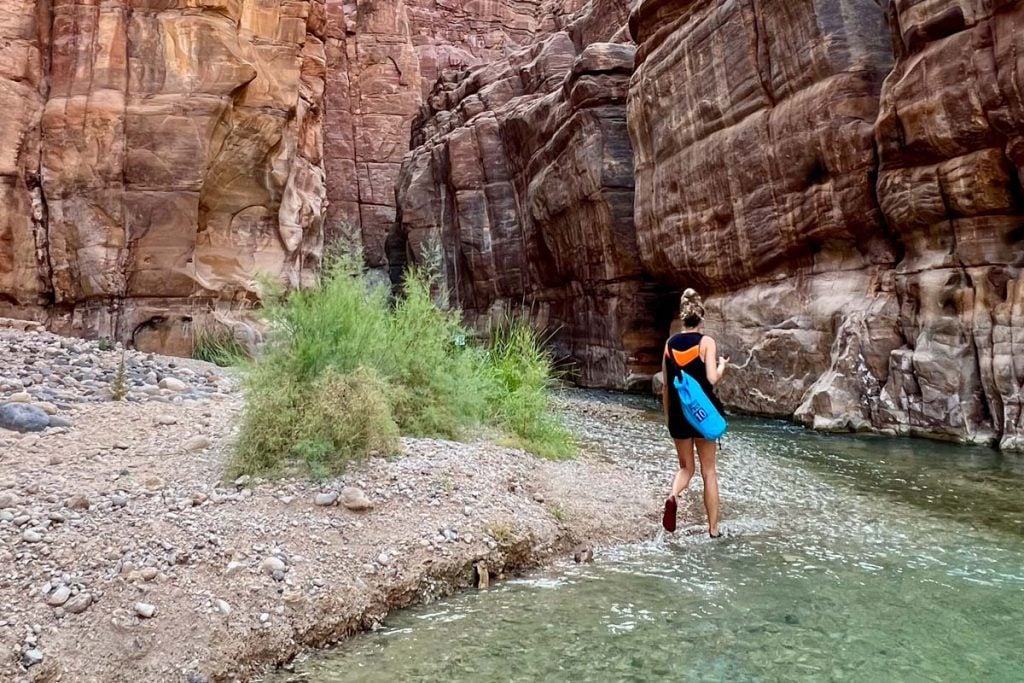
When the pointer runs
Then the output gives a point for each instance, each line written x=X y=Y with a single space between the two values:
x=7 y=500
x=149 y=573
x=78 y=603
x=326 y=499
x=31 y=536
x=272 y=564
x=166 y=420
x=118 y=501
x=58 y=597
x=197 y=443
x=172 y=384
x=47 y=407
x=77 y=502
x=21 y=397
x=222 y=606
x=31 y=657
x=145 y=610
x=353 y=498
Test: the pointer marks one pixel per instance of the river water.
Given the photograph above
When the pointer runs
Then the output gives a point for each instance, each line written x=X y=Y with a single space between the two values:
x=846 y=558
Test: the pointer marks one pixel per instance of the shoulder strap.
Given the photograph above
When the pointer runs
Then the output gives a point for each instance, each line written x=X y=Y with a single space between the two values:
x=683 y=358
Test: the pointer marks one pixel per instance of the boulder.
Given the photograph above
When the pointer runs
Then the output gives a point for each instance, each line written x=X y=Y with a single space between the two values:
x=23 y=417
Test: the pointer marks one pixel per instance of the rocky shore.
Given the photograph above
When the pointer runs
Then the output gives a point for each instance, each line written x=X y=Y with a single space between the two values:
x=127 y=554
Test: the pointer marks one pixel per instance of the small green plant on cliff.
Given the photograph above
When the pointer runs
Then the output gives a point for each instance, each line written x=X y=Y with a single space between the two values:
x=346 y=370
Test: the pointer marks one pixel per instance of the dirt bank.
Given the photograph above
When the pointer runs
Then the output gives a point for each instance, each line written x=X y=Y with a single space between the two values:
x=126 y=556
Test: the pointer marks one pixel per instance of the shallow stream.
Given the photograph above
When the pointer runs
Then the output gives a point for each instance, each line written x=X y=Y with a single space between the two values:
x=846 y=558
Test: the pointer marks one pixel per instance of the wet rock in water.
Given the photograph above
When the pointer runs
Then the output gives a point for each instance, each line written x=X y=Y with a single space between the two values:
x=58 y=597
x=326 y=499
x=78 y=603
x=77 y=502
x=21 y=417
x=355 y=499
x=482 y=574
x=145 y=610
x=583 y=554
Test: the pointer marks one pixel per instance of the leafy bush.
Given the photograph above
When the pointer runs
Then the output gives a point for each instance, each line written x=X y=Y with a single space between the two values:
x=345 y=372
x=523 y=370
x=220 y=348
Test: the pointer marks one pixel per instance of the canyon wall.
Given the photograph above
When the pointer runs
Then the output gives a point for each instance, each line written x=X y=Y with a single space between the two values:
x=843 y=179
x=522 y=184
x=162 y=153
x=159 y=157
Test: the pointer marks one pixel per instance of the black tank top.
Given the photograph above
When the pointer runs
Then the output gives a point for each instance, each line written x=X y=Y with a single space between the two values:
x=681 y=349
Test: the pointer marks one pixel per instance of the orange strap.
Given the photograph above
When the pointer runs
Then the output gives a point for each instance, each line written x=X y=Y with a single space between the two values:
x=683 y=358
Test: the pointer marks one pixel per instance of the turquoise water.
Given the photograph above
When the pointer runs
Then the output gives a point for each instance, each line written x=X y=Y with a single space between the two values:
x=860 y=559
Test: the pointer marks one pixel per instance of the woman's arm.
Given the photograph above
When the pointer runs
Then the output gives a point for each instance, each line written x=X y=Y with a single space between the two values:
x=715 y=369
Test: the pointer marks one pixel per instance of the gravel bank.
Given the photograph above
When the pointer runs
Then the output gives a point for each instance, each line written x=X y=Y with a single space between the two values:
x=125 y=555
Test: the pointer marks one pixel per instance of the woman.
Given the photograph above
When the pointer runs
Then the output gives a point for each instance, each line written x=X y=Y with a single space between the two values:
x=693 y=353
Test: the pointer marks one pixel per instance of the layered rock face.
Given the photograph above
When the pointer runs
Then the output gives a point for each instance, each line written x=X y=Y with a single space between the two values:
x=159 y=157
x=854 y=216
x=951 y=146
x=522 y=186
x=164 y=154
x=383 y=60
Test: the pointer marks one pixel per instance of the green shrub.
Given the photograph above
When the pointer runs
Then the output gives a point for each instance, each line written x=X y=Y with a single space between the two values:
x=346 y=370
x=220 y=348
x=523 y=370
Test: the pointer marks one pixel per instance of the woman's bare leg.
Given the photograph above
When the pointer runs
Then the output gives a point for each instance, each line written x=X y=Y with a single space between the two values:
x=709 y=472
x=684 y=452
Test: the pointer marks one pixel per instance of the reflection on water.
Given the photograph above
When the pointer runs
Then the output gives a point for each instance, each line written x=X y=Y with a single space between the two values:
x=847 y=558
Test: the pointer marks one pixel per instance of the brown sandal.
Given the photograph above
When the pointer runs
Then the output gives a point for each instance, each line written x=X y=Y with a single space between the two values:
x=668 y=519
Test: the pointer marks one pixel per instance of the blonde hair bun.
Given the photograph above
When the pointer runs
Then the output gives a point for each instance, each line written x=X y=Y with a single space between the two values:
x=691 y=306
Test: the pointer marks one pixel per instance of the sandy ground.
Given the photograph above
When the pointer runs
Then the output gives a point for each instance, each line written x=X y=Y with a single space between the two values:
x=126 y=555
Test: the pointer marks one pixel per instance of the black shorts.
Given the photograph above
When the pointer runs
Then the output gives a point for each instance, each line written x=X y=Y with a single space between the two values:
x=679 y=427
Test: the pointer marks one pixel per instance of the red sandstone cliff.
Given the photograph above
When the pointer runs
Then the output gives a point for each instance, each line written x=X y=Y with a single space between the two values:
x=156 y=158
x=860 y=237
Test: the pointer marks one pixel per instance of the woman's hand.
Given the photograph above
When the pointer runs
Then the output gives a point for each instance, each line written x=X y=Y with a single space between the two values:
x=723 y=362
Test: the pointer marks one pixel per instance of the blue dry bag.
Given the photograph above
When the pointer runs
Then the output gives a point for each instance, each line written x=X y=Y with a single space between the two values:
x=698 y=408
